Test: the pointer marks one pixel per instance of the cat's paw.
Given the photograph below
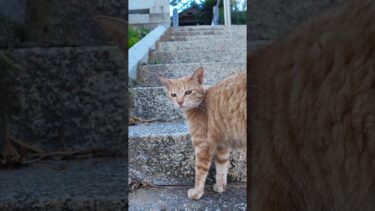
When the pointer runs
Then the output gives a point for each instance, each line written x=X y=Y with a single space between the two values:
x=220 y=188
x=194 y=194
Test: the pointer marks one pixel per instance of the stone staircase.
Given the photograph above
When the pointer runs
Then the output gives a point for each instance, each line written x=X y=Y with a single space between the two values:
x=71 y=98
x=160 y=150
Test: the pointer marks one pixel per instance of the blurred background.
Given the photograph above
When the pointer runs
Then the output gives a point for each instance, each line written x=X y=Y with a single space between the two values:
x=63 y=106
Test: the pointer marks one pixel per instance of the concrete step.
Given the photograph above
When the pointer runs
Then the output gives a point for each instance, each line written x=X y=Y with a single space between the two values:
x=152 y=103
x=208 y=27
x=71 y=98
x=214 y=72
x=162 y=154
x=205 y=32
x=90 y=184
x=165 y=38
x=198 y=56
x=176 y=199
x=214 y=45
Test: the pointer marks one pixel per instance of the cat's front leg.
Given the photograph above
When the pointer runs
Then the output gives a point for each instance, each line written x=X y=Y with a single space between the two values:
x=203 y=157
x=222 y=165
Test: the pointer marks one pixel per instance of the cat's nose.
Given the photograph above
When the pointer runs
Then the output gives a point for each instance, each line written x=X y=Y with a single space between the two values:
x=180 y=103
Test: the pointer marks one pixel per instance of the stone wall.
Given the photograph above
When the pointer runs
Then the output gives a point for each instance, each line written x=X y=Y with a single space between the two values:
x=158 y=13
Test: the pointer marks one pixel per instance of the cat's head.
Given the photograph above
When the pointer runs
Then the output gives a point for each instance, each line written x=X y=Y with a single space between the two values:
x=186 y=92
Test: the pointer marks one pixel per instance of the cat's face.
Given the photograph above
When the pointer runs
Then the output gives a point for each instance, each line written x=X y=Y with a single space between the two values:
x=186 y=92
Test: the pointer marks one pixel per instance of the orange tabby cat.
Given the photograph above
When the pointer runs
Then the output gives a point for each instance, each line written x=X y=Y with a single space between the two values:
x=217 y=122
x=312 y=115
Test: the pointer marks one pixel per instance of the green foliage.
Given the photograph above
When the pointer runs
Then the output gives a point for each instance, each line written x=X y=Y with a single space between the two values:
x=211 y=3
x=238 y=15
x=143 y=31
x=155 y=61
x=181 y=3
x=132 y=41
x=221 y=15
x=134 y=35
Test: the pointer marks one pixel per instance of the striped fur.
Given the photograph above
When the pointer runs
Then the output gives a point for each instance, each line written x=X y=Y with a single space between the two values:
x=312 y=115
x=217 y=122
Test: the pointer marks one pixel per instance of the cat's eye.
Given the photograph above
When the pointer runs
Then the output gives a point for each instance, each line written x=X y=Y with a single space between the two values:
x=188 y=92
x=173 y=95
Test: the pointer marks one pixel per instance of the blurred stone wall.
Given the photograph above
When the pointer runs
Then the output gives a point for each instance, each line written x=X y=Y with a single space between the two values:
x=72 y=86
x=13 y=10
x=71 y=98
x=56 y=22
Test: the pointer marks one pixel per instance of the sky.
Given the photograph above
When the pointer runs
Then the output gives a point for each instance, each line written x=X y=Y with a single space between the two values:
x=198 y=1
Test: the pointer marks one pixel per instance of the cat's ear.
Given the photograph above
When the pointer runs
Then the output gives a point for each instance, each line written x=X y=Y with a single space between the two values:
x=166 y=82
x=198 y=75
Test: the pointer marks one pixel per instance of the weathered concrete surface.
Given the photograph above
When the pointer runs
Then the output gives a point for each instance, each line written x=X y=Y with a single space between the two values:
x=95 y=184
x=60 y=23
x=162 y=154
x=211 y=28
x=152 y=103
x=269 y=20
x=71 y=22
x=213 y=45
x=202 y=37
x=158 y=13
x=176 y=199
x=158 y=6
x=70 y=58
x=197 y=56
x=140 y=51
x=71 y=98
x=204 y=32
x=214 y=72
x=149 y=20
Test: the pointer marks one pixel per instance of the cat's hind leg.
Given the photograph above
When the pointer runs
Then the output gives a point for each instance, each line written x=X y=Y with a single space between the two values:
x=222 y=165
x=203 y=157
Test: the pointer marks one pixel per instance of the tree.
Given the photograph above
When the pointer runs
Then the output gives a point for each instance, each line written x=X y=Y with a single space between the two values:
x=206 y=6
